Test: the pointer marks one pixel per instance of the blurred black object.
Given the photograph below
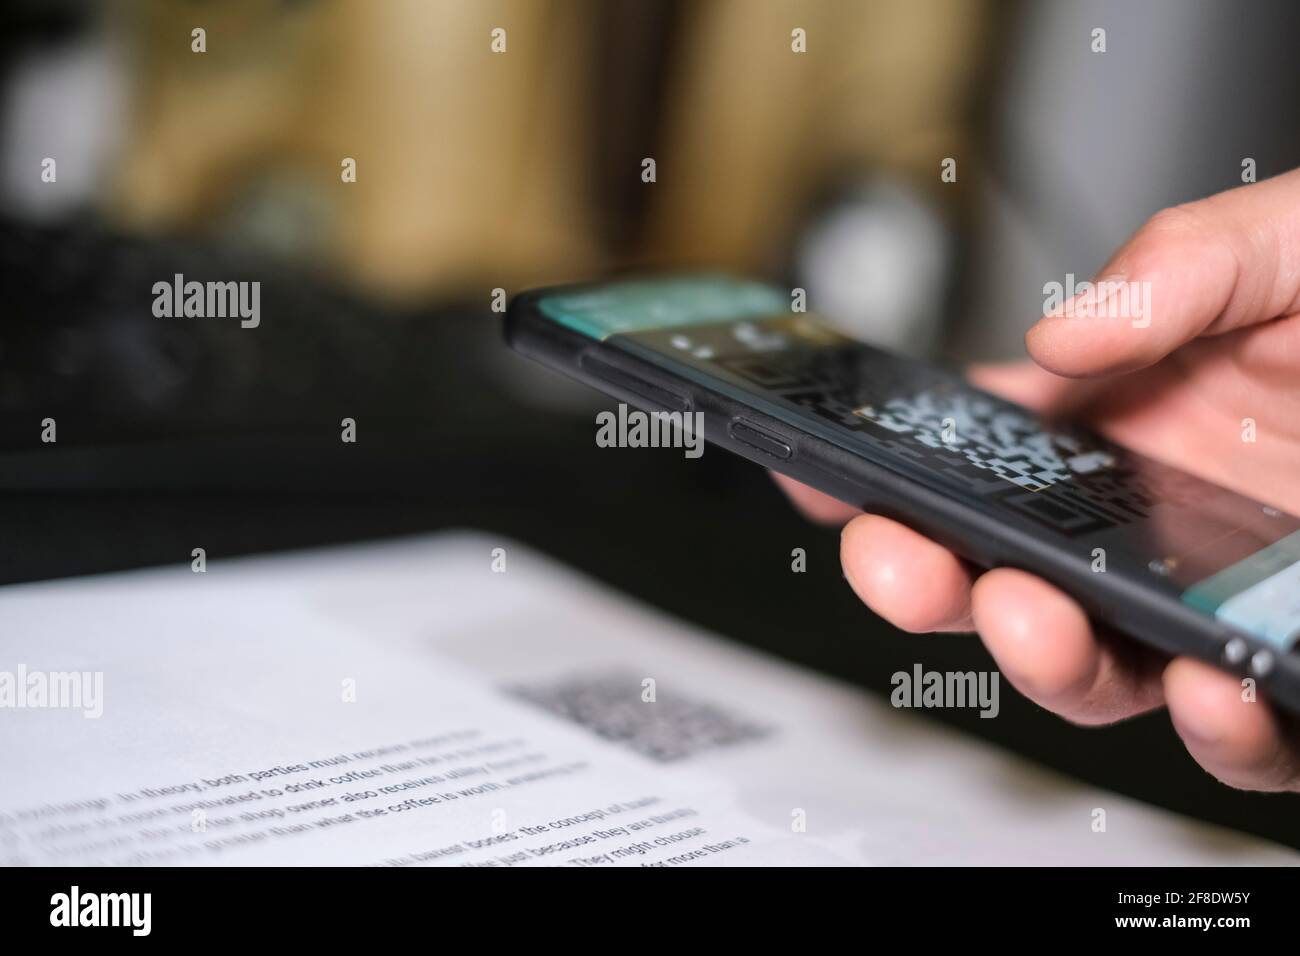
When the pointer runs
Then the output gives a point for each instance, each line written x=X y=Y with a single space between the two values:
x=27 y=22
x=187 y=403
x=79 y=341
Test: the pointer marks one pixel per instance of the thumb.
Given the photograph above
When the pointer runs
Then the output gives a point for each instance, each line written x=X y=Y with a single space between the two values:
x=1203 y=268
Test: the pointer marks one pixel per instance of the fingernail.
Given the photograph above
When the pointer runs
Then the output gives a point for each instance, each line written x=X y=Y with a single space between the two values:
x=1092 y=301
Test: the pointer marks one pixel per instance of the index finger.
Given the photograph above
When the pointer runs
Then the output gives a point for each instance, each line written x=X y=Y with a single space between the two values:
x=1202 y=268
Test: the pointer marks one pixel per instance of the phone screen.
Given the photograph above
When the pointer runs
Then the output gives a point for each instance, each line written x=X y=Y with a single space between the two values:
x=1223 y=554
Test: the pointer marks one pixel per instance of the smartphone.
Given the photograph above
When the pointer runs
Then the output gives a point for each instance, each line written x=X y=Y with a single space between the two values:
x=1176 y=562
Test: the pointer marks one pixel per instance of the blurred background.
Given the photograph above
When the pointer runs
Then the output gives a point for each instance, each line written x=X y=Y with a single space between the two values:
x=492 y=161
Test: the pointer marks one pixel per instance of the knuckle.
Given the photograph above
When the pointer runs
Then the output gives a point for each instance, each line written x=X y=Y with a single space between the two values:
x=1203 y=229
x=1174 y=224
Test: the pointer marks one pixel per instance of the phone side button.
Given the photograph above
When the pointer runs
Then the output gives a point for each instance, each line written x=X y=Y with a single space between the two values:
x=1236 y=651
x=653 y=394
x=755 y=437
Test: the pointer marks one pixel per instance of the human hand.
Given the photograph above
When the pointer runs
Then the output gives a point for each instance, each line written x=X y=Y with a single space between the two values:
x=1222 y=345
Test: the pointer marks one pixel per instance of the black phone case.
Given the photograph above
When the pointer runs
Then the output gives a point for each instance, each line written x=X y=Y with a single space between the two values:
x=1125 y=603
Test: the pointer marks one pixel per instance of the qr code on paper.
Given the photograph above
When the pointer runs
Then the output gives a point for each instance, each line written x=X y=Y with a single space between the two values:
x=614 y=706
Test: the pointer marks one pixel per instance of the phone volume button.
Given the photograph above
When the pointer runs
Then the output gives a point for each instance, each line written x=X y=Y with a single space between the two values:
x=629 y=382
x=756 y=437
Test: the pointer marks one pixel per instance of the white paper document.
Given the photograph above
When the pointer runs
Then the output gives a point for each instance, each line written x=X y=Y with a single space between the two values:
x=413 y=704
